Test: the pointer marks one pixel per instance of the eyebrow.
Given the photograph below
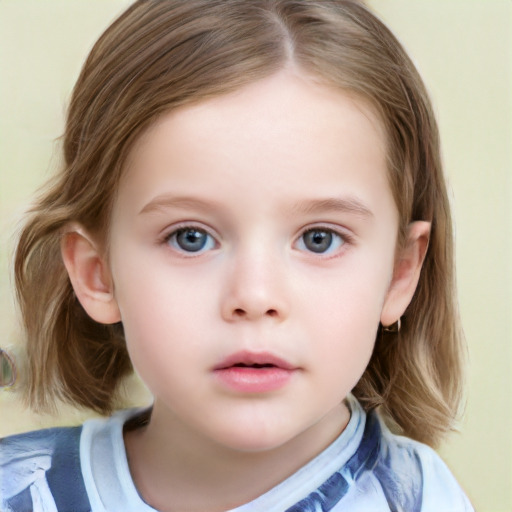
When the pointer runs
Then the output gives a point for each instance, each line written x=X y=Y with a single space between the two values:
x=350 y=205
x=313 y=206
x=169 y=201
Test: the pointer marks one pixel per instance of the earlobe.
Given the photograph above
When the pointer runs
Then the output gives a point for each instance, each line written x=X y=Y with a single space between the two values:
x=89 y=275
x=406 y=273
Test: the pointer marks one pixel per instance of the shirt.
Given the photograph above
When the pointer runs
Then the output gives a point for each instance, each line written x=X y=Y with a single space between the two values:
x=366 y=469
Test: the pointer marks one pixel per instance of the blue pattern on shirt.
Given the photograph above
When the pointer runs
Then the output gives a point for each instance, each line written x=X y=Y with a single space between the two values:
x=401 y=494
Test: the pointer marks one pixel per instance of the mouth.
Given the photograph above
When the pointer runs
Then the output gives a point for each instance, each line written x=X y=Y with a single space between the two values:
x=254 y=373
x=246 y=359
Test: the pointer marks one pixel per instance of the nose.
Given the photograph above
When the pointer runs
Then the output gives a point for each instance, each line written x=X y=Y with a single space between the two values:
x=255 y=288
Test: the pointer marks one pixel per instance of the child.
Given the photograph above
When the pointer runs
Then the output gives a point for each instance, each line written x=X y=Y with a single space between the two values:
x=252 y=213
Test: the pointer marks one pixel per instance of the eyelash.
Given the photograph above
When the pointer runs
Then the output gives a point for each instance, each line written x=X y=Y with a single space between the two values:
x=333 y=237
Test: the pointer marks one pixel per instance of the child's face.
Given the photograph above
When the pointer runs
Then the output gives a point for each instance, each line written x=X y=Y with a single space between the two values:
x=257 y=227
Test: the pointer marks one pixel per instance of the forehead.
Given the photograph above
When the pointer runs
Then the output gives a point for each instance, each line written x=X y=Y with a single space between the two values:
x=285 y=126
x=311 y=99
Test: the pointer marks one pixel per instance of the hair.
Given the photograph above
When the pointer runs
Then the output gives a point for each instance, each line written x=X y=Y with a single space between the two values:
x=162 y=54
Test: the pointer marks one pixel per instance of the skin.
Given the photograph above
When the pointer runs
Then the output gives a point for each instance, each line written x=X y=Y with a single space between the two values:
x=252 y=171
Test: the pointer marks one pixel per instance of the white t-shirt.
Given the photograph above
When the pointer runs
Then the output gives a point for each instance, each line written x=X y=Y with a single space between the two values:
x=366 y=469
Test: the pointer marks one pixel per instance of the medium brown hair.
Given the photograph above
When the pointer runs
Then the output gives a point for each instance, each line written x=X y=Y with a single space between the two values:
x=161 y=54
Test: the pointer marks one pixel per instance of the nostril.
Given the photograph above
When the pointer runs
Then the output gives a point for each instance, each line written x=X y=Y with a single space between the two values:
x=241 y=313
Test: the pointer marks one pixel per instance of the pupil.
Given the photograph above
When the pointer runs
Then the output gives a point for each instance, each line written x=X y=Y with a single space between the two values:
x=318 y=241
x=191 y=240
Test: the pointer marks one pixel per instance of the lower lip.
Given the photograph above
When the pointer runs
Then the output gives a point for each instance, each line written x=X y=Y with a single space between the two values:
x=254 y=380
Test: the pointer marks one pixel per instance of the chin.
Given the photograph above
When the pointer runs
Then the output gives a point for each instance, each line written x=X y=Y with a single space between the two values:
x=253 y=440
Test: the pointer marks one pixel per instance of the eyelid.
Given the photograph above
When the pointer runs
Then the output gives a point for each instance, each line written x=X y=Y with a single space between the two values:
x=343 y=232
x=189 y=224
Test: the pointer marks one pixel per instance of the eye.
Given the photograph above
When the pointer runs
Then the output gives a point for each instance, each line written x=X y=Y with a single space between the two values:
x=191 y=239
x=320 y=241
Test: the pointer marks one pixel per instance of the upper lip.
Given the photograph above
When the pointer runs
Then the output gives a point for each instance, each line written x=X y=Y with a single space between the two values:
x=248 y=358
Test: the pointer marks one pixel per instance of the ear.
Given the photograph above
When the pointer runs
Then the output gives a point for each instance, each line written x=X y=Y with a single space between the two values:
x=406 y=272
x=90 y=276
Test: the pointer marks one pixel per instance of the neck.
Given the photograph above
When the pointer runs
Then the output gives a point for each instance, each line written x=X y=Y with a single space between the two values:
x=172 y=464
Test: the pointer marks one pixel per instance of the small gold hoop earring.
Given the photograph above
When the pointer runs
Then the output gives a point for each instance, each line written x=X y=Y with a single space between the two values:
x=395 y=327
x=7 y=370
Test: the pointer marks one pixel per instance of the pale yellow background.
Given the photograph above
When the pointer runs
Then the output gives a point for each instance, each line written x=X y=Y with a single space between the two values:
x=463 y=49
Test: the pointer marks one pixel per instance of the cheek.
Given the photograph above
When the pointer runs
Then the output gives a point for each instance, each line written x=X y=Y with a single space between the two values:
x=352 y=296
x=344 y=341
x=147 y=290
x=345 y=317
x=161 y=310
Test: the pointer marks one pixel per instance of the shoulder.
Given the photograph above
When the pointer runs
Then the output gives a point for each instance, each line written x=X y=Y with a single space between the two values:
x=412 y=475
x=39 y=449
x=369 y=469
x=41 y=467
x=57 y=469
